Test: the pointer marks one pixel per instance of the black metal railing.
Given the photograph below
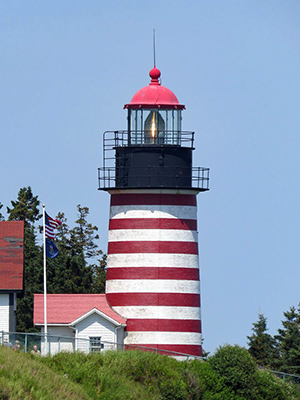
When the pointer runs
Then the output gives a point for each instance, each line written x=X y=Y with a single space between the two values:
x=113 y=139
x=154 y=177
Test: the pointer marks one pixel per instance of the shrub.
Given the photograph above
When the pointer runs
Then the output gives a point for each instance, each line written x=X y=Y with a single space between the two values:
x=270 y=387
x=236 y=369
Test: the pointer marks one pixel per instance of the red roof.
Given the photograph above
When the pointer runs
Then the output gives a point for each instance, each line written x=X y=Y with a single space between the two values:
x=11 y=255
x=66 y=308
x=154 y=95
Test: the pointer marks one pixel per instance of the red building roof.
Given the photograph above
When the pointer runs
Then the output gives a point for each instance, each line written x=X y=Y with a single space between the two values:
x=66 y=308
x=11 y=255
x=154 y=95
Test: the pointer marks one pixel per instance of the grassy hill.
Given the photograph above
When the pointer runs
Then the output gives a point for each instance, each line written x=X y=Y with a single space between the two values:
x=229 y=375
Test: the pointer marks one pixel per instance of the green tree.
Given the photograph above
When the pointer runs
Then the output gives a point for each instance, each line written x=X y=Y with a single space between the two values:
x=26 y=208
x=236 y=370
x=99 y=275
x=69 y=271
x=289 y=341
x=83 y=235
x=262 y=346
x=1 y=216
x=78 y=269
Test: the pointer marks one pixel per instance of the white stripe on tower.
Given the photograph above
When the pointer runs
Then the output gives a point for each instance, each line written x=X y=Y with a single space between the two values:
x=147 y=286
x=152 y=234
x=161 y=312
x=152 y=269
x=180 y=212
x=153 y=260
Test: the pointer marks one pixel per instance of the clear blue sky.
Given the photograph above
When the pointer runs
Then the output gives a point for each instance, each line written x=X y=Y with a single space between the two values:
x=68 y=67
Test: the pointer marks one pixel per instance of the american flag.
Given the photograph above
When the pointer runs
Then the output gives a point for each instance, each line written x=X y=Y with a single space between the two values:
x=50 y=225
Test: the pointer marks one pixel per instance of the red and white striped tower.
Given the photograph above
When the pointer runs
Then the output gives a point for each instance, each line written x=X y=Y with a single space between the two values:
x=153 y=268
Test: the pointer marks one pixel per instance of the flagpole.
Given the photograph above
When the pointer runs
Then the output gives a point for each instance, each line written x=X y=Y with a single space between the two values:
x=45 y=282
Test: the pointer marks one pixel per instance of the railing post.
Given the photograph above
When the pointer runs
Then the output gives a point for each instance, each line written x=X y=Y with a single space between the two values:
x=207 y=177
x=58 y=344
x=26 y=341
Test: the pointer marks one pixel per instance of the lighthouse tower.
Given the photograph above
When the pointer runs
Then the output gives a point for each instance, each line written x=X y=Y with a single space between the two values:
x=152 y=265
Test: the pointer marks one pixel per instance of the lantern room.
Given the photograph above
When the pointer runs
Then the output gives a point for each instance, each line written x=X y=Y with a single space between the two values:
x=154 y=115
x=154 y=152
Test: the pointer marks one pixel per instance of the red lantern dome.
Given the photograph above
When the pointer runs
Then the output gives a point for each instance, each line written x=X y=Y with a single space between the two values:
x=155 y=95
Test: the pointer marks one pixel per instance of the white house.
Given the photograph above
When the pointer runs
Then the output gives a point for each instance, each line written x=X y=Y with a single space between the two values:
x=11 y=271
x=83 y=322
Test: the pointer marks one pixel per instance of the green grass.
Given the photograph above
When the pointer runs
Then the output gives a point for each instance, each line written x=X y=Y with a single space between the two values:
x=123 y=375
x=136 y=375
x=24 y=377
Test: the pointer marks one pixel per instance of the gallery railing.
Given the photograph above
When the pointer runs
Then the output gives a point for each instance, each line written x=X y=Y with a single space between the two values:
x=148 y=177
x=114 y=139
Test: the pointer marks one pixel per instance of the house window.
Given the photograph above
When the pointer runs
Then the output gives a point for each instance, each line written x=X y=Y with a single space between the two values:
x=95 y=344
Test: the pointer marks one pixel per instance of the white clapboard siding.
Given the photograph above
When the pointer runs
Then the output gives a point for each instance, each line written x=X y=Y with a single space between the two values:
x=94 y=326
x=60 y=344
x=4 y=312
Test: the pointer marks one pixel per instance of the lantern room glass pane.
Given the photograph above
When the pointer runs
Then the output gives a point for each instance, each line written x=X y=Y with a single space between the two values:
x=154 y=128
x=135 y=126
x=177 y=127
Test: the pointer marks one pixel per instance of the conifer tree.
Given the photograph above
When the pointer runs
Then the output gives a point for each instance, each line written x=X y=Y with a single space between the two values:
x=25 y=208
x=70 y=271
x=1 y=216
x=262 y=346
x=84 y=234
x=77 y=268
x=99 y=275
x=289 y=341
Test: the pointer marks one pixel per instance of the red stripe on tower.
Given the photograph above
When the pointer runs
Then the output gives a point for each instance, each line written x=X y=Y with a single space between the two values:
x=152 y=247
x=153 y=223
x=165 y=325
x=153 y=299
x=152 y=273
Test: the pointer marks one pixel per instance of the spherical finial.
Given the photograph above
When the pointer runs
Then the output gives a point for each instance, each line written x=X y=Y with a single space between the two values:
x=154 y=73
